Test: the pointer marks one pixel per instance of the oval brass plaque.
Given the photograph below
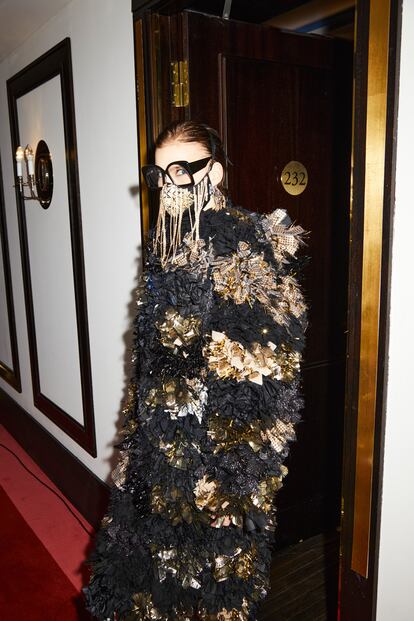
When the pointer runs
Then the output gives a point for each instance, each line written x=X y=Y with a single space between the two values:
x=294 y=178
x=43 y=174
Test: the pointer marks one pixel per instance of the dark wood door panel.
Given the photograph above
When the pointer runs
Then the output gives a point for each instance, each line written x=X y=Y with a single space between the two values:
x=205 y=37
x=260 y=121
x=276 y=97
x=309 y=501
x=286 y=116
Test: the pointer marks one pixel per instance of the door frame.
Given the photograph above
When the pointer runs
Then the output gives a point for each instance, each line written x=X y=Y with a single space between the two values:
x=375 y=104
x=375 y=100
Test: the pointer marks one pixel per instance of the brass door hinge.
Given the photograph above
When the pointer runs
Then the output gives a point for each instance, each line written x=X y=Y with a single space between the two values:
x=179 y=84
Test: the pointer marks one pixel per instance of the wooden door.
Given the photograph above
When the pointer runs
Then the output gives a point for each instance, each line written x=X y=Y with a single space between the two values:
x=278 y=97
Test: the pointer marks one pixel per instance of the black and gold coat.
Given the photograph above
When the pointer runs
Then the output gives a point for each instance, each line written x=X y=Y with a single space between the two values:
x=216 y=394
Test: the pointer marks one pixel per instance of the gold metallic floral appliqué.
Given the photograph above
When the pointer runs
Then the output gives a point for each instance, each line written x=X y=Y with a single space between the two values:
x=128 y=410
x=183 y=565
x=230 y=360
x=173 y=505
x=143 y=607
x=285 y=240
x=240 y=564
x=177 y=331
x=118 y=475
x=227 y=509
x=245 y=277
x=227 y=433
x=175 y=450
x=179 y=397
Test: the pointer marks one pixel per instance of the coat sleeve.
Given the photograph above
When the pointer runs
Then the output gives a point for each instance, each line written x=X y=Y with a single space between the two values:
x=254 y=355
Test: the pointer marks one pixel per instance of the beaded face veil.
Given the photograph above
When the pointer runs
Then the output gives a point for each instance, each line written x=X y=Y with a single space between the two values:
x=179 y=194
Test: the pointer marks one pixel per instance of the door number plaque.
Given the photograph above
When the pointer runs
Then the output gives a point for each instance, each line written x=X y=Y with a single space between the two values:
x=294 y=178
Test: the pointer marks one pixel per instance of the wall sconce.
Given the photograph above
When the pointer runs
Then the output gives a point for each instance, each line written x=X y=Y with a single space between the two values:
x=39 y=173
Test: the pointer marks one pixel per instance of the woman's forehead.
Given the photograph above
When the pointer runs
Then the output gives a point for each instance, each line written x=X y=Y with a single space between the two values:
x=177 y=150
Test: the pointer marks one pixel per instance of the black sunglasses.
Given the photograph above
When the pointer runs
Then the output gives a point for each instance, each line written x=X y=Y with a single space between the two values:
x=179 y=172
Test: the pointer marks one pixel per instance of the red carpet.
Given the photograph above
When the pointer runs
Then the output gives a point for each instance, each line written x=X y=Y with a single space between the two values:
x=33 y=587
x=54 y=520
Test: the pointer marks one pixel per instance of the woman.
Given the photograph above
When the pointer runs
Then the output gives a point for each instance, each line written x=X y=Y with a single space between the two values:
x=213 y=403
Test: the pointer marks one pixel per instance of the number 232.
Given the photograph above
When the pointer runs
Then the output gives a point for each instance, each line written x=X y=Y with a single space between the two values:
x=294 y=178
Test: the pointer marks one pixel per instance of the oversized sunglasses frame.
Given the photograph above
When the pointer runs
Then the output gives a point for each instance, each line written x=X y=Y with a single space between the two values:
x=190 y=167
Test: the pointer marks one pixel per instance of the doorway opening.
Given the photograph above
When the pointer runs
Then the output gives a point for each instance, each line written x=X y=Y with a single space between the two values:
x=276 y=81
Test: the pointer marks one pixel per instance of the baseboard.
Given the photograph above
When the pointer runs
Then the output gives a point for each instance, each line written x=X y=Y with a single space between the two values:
x=86 y=491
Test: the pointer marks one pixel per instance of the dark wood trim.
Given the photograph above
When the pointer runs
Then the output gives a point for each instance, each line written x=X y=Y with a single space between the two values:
x=349 y=587
x=243 y=10
x=138 y=7
x=11 y=376
x=150 y=64
x=57 y=61
x=86 y=491
x=347 y=609
x=359 y=594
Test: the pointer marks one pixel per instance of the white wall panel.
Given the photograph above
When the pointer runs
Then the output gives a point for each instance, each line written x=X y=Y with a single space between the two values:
x=395 y=600
x=101 y=34
x=40 y=117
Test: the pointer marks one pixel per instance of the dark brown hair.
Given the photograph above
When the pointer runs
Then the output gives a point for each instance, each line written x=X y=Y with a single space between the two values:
x=193 y=131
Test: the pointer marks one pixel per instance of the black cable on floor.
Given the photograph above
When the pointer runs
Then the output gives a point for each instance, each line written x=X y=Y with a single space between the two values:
x=48 y=487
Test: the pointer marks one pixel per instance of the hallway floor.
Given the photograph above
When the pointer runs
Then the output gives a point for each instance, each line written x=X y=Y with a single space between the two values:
x=64 y=535
x=303 y=576
x=304 y=581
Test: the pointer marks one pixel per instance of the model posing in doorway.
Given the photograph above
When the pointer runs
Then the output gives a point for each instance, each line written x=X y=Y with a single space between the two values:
x=213 y=404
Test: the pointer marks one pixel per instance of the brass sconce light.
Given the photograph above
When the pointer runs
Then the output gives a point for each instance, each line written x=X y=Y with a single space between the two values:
x=39 y=171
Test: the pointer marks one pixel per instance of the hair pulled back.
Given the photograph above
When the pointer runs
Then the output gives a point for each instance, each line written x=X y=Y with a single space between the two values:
x=193 y=131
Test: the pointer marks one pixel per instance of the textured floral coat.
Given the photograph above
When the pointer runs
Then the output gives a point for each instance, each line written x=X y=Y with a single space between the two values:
x=213 y=404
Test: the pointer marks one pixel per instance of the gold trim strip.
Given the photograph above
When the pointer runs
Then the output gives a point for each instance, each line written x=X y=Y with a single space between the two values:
x=371 y=277
x=142 y=129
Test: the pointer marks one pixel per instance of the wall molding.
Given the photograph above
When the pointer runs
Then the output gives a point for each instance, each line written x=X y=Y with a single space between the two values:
x=57 y=62
x=10 y=375
x=88 y=493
